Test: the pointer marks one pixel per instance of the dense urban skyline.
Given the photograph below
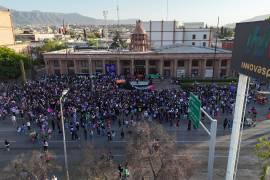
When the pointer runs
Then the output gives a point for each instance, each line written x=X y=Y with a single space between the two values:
x=207 y=11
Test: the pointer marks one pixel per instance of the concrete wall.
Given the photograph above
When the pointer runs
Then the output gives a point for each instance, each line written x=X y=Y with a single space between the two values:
x=164 y=33
x=6 y=30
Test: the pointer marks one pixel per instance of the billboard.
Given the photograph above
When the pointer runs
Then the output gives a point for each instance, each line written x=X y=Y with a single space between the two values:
x=208 y=73
x=180 y=73
x=251 y=53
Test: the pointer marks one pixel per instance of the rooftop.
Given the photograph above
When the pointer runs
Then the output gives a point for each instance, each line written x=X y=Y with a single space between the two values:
x=174 y=49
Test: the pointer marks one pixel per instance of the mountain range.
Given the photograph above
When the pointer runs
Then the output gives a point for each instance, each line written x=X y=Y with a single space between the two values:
x=52 y=18
x=256 y=18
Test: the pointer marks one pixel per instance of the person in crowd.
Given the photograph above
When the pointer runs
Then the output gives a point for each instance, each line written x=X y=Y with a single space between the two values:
x=45 y=145
x=7 y=145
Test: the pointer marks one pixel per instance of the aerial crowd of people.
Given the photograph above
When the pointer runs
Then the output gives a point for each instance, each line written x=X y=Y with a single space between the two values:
x=93 y=106
x=100 y=107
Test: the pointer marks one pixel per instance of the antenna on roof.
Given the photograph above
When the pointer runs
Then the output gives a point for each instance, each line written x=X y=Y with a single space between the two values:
x=215 y=53
x=117 y=8
x=105 y=31
x=167 y=10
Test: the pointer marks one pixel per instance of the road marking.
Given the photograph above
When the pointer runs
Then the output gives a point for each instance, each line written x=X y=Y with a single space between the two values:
x=1 y=141
x=201 y=141
x=177 y=155
x=61 y=141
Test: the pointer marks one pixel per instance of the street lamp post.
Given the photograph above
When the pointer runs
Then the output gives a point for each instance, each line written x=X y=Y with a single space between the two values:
x=63 y=132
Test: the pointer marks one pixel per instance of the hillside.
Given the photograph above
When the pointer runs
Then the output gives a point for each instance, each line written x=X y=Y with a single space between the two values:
x=52 y=18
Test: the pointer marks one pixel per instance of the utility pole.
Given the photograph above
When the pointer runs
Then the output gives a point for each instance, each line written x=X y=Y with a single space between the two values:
x=117 y=8
x=167 y=16
x=215 y=53
x=105 y=14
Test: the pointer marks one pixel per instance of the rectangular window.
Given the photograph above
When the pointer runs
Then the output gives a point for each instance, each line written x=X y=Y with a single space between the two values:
x=85 y=71
x=204 y=36
x=98 y=64
x=209 y=63
x=71 y=71
x=84 y=63
x=153 y=71
x=139 y=62
x=195 y=63
x=193 y=36
x=194 y=72
x=204 y=44
x=70 y=64
x=125 y=63
x=167 y=63
x=56 y=63
x=152 y=63
x=181 y=63
x=223 y=72
x=57 y=72
x=224 y=63
x=193 y=43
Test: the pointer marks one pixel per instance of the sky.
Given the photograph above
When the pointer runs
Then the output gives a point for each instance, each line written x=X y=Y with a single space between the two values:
x=206 y=11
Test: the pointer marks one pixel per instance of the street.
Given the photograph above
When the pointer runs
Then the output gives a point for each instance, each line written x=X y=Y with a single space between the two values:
x=195 y=142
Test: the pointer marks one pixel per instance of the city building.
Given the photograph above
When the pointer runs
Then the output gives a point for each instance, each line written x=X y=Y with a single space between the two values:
x=177 y=60
x=27 y=36
x=227 y=44
x=7 y=33
x=163 y=33
x=6 y=28
x=139 y=39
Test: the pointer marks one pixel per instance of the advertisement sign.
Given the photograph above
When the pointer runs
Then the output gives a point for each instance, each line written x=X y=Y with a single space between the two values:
x=251 y=53
x=208 y=73
x=180 y=73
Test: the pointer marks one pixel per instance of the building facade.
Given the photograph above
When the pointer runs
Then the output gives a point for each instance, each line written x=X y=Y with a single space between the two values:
x=169 y=61
x=164 y=33
x=6 y=28
x=139 y=39
x=183 y=61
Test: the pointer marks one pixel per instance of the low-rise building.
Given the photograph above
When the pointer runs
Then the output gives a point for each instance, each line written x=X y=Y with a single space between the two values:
x=164 y=33
x=6 y=28
x=176 y=60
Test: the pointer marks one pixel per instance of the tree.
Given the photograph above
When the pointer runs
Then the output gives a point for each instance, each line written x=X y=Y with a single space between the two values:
x=53 y=45
x=268 y=19
x=97 y=164
x=93 y=42
x=34 y=165
x=118 y=42
x=225 y=32
x=93 y=35
x=152 y=152
x=262 y=150
x=10 y=63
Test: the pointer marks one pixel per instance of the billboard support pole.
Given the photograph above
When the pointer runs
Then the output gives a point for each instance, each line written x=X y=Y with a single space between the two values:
x=243 y=84
x=212 y=144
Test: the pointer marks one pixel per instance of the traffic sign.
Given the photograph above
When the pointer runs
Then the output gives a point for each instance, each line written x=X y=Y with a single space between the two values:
x=194 y=110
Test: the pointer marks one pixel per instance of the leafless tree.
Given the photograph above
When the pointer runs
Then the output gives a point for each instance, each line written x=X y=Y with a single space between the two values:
x=152 y=153
x=30 y=166
x=97 y=165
